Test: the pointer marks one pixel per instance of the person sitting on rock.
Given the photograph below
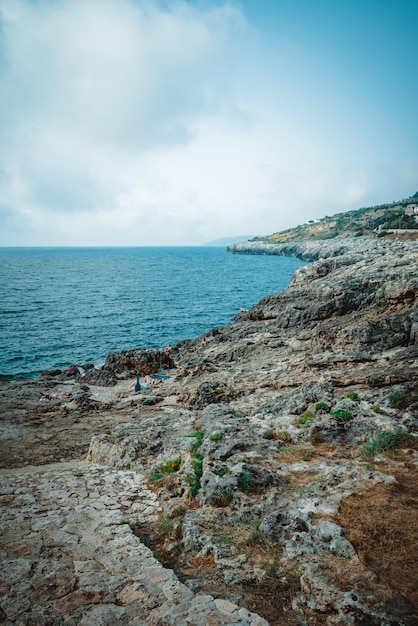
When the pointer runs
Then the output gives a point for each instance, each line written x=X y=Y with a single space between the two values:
x=152 y=381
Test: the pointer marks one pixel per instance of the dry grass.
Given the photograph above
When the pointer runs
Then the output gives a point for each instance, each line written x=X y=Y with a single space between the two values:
x=271 y=596
x=301 y=452
x=295 y=454
x=382 y=524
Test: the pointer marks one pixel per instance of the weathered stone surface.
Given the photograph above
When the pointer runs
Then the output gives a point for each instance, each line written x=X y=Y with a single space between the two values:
x=88 y=567
x=128 y=362
x=236 y=477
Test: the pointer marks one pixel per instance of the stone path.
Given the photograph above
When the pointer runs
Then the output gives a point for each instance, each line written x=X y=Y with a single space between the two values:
x=68 y=555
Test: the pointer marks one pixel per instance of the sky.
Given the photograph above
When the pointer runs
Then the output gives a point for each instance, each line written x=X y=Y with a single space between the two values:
x=165 y=123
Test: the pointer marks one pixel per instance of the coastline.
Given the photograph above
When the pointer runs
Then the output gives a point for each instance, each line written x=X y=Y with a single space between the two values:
x=319 y=249
x=259 y=452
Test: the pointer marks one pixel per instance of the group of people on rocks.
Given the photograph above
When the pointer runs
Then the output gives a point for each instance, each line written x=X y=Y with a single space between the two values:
x=153 y=381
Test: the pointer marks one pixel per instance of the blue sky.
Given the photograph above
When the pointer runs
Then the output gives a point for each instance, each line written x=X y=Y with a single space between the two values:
x=145 y=122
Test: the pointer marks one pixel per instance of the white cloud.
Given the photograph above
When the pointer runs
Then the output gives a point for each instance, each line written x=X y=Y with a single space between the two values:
x=147 y=123
x=90 y=89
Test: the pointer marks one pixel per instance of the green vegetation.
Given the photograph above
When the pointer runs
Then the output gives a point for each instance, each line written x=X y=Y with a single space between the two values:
x=304 y=420
x=216 y=437
x=245 y=482
x=284 y=435
x=342 y=415
x=353 y=396
x=401 y=400
x=166 y=525
x=226 y=498
x=197 y=463
x=376 y=408
x=255 y=535
x=385 y=216
x=198 y=436
x=387 y=440
x=167 y=468
x=222 y=472
x=321 y=406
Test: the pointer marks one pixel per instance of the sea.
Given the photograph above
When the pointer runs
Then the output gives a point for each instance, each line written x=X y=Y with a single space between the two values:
x=60 y=306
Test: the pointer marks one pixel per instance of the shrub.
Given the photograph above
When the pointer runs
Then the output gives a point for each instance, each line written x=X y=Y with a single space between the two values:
x=378 y=410
x=342 y=415
x=195 y=485
x=353 y=396
x=167 y=468
x=216 y=437
x=387 y=440
x=283 y=435
x=245 y=482
x=198 y=436
x=167 y=524
x=197 y=463
x=304 y=420
x=400 y=400
x=225 y=498
x=321 y=406
x=222 y=472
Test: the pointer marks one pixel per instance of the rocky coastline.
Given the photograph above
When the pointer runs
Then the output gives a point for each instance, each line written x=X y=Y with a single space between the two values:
x=271 y=479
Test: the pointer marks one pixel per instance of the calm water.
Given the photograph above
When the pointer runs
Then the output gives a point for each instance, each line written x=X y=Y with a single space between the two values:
x=74 y=305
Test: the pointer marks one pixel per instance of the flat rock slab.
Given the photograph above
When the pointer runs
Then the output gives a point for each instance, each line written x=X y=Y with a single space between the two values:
x=68 y=555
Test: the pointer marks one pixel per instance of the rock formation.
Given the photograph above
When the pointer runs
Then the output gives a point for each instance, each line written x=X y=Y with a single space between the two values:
x=272 y=479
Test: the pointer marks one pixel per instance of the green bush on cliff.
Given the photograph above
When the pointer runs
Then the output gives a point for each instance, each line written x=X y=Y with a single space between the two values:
x=321 y=406
x=342 y=415
x=353 y=396
x=167 y=468
x=399 y=400
x=387 y=440
x=197 y=463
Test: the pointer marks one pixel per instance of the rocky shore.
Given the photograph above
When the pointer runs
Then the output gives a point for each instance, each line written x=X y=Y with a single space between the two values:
x=272 y=479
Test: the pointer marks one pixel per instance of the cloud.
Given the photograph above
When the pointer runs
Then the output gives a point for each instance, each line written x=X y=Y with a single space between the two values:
x=89 y=89
x=146 y=122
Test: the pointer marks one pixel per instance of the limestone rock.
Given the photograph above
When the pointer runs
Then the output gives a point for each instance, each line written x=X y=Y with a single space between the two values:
x=237 y=475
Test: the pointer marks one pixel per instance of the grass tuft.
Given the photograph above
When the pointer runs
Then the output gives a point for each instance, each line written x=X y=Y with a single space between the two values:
x=167 y=468
x=387 y=440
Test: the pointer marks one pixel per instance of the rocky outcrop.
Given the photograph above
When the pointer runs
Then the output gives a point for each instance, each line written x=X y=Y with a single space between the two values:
x=268 y=453
x=312 y=250
x=80 y=563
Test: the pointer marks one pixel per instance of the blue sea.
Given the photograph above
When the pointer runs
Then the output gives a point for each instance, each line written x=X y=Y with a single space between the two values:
x=60 y=306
